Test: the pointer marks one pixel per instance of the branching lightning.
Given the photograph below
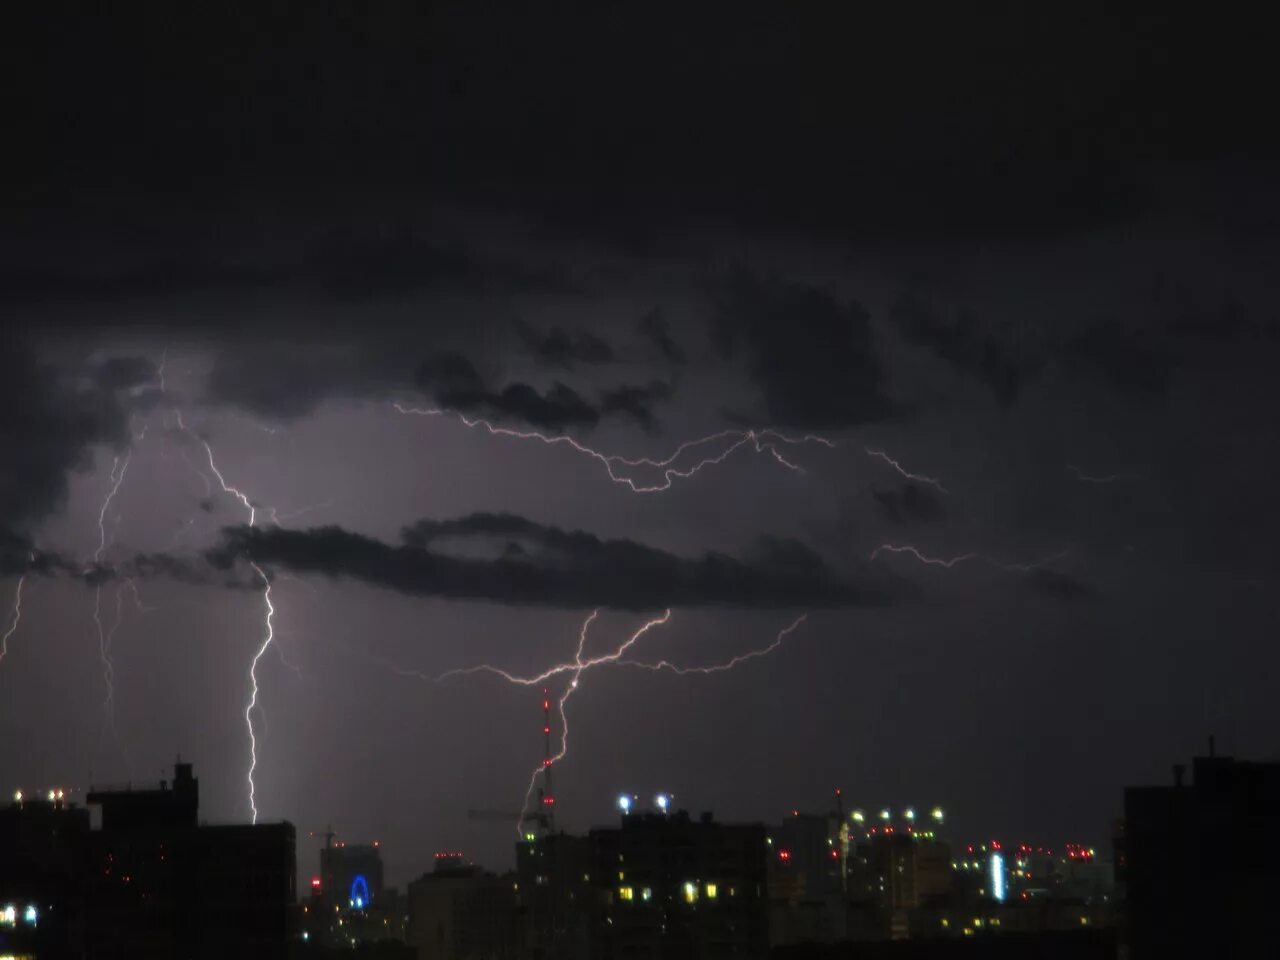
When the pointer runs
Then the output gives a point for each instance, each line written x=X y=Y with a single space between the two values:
x=15 y=620
x=728 y=664
x=761 y=441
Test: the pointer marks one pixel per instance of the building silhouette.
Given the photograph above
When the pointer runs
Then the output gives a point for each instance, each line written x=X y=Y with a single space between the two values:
x=150 y=882
x=1197 y=862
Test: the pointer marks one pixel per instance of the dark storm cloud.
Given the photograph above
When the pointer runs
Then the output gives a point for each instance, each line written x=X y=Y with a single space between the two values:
x=635 y=402
x=291 y=379
x=1061 y=586
x=558 y=347
x=1132 y=362
x=452 y=381
x=908 y=503
x=536 y=564
x=961 y=343
x=1227 y=324
x=655 y=328
x=812 y=356
x=50 y=420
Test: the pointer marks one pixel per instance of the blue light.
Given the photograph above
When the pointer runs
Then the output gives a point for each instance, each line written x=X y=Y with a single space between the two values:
x=31 y=915
x=359 y=897
x=997 y=877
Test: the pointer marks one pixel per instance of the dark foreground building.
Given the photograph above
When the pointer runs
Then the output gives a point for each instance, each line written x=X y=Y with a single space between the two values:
x=1197 y=862
x=151 y=882
x=670 y=886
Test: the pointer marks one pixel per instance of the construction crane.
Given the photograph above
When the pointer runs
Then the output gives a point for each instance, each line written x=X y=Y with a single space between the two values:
x=327 y=834
x=544 y=814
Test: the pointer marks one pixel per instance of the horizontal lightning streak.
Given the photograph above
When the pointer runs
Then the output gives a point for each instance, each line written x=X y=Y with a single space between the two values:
x=728 y=664
x=950 y=562
x=761 y=440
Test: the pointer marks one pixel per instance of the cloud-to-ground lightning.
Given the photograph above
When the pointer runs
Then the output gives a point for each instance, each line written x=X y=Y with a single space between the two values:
x=581 y=663
x=269 y=613
x=950 y=562
x=14 y=620
x=118 y=470
x=253 y=685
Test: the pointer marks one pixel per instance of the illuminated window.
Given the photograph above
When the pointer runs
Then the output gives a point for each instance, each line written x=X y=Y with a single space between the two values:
x=690 y=892
x=1084 y=921
x=646 y=894
x=8 y=916
x=945 y=923
x=711 y=891
x=625 y=893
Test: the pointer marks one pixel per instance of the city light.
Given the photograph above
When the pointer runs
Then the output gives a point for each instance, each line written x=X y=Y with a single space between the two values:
x=690 y=892
x=662 y=801
x=909 y=813
x=17 y=797
x=858 y=816
x=997 y=877
x=937 y=814
x=626 y=893
x=8 y=916
x=711 y=891
x=30 y=915
x=884 y=814
x=624 y=803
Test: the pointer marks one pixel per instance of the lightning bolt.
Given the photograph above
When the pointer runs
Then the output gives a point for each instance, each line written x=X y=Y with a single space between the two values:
x=269 y=613
x=17 y=618
x=950 y=562
x=904 y=472
x=761 y=441
x=253 y=684
x=118 y=470
x=728 y=664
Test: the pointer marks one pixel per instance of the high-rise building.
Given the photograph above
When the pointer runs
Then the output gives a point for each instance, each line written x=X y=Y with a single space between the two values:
x=460 y=912
x=162 y=885
x=669 y=886
x=1197 y=862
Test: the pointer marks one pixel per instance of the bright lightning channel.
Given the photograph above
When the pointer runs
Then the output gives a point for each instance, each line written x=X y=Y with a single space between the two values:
x=118 y=470
x=16 y=619
x=761 y=440
x=253 y=696
x=728 y=664
x=269 y=613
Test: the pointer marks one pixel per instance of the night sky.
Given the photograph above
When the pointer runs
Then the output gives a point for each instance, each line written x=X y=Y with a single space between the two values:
x=1010 y=273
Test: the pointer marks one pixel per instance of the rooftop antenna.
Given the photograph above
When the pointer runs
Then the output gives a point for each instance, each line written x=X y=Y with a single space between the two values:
x=548 y=794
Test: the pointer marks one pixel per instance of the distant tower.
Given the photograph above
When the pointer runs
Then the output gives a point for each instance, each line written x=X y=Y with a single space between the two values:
x=549 y=796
